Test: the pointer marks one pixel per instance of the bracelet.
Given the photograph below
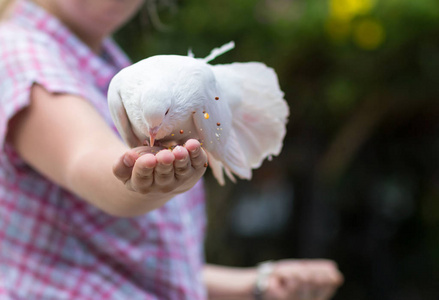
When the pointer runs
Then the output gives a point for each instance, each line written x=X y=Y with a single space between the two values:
x=264 y=271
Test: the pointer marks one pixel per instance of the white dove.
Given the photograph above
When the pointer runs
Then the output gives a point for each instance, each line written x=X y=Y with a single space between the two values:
x=236 y=111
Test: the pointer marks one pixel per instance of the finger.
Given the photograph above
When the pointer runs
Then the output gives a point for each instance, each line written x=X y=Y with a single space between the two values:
x=330 y=270
x=123 y=167
x=277 y=289
x=330 y=280
x=326 y=293
x=164 y=171
x=320 y=287
x=337 y=278
x=143 y=173
x=305 y=288
x=287 y=283
x=197 y=155
x=299 y=281
x=182 y=163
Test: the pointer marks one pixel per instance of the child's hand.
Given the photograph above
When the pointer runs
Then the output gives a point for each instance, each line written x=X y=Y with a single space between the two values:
x=167 y=171
x=316 y=279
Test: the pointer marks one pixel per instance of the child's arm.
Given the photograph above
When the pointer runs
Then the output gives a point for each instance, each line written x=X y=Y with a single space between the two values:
x=64 y=138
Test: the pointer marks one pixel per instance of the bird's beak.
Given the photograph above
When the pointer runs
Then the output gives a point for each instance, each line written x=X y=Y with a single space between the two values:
x=152 y=134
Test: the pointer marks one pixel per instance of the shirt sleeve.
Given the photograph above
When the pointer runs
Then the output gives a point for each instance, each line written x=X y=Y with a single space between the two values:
x=26 y=59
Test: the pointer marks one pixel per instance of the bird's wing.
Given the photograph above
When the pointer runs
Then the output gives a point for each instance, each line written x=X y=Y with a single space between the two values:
x=258 y=108
x=214 y=125
x=119 y=115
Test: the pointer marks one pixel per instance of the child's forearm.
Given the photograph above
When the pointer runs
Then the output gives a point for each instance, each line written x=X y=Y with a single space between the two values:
x=228 y=283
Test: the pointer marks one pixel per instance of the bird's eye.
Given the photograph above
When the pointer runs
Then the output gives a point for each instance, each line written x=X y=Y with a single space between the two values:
x=167 y=112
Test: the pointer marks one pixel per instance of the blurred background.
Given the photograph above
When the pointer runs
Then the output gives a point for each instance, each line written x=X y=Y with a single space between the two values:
x=358 y=178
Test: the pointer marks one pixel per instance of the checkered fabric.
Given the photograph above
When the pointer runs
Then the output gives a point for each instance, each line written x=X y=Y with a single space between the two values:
x=53 y=245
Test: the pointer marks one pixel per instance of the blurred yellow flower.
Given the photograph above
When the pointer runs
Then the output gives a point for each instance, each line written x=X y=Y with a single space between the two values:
x=348 y=9
x=368 y=34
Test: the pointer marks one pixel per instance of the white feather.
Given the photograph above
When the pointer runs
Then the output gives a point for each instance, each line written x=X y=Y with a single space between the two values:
x=219 y=51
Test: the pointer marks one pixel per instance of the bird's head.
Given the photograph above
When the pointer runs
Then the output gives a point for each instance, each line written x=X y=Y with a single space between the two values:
x=156 y=105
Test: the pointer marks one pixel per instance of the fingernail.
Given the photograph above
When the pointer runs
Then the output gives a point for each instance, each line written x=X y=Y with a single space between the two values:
x=128 y=161
x=178 y=148
x=195 y=150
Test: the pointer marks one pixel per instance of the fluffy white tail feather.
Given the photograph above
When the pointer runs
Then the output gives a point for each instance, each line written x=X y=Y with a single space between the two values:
x=233 y=161
x=217 y=169
x=259 y=110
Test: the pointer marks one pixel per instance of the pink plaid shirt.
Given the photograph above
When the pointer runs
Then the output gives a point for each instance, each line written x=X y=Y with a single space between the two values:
x=53 y=245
